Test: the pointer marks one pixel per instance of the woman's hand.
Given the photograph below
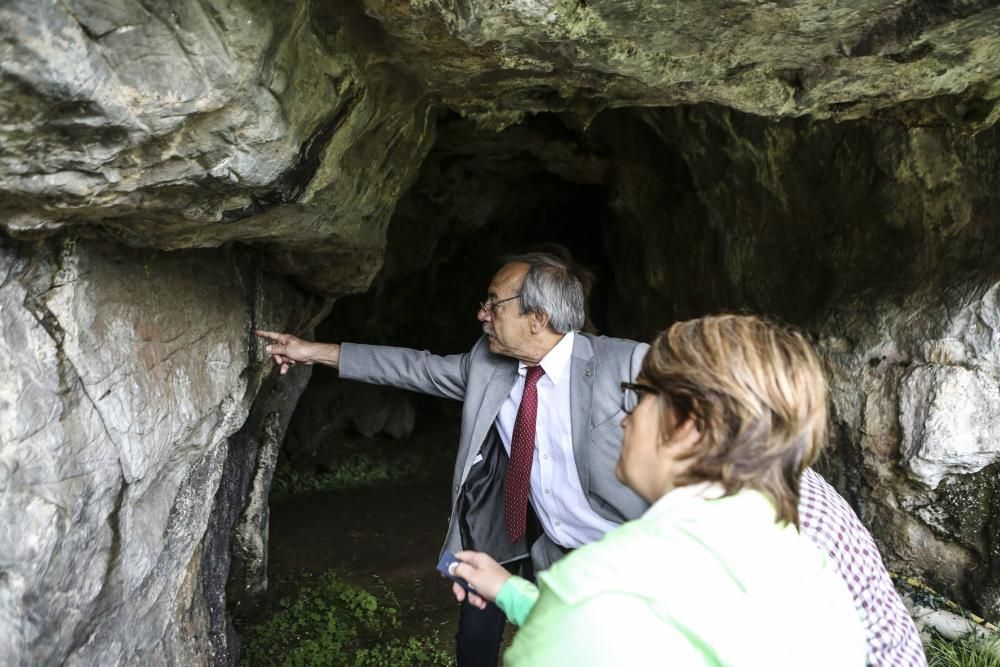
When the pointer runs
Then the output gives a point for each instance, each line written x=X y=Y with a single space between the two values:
x=485 y=576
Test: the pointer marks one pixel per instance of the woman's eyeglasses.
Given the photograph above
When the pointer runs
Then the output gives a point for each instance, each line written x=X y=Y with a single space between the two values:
x=632 y=394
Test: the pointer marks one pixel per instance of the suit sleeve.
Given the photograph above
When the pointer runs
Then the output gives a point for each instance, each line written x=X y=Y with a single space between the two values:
x=635 y=363
x=415 y=370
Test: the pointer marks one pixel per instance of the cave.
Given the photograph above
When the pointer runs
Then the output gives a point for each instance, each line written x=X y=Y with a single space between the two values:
x=174 y=177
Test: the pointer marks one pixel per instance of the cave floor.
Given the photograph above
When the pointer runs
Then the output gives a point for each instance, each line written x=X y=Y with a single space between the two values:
x=387 y=536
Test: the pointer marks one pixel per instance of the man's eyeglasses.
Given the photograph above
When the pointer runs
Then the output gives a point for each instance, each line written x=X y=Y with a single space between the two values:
x=632 y=394
x=491 y=306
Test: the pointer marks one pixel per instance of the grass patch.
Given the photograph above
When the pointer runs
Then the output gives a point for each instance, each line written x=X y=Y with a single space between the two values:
x=968 y=651
x=393 y=463
x=331 y=622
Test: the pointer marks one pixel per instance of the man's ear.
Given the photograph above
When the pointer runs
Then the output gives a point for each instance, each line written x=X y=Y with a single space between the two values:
x=539 y=322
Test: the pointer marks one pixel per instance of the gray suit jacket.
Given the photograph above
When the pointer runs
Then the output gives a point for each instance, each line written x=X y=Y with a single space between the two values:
x=482 y=380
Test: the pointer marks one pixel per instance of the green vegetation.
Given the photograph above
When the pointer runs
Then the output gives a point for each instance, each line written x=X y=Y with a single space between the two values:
x=968 y=651
x=330 y=622
x=375 y=464
x=972 y=650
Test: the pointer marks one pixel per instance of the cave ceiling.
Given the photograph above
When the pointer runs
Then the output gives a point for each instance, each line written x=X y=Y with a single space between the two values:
x=840 y=60
x=296 y=127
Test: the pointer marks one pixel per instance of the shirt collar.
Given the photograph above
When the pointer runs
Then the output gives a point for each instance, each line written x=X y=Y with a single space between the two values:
x=685 y=496
x=555 y=362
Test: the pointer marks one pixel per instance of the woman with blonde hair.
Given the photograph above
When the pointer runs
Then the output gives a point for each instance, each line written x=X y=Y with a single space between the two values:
x=727 y=413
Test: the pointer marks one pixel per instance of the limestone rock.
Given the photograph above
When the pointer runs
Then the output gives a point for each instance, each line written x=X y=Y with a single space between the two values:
x=298 y=127
x=950 y=418
x=497 y=60
x=915 y=401
x=193 y=124
x=125 y=375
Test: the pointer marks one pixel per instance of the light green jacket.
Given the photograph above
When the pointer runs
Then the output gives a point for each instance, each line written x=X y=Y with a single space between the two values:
x=693 y=582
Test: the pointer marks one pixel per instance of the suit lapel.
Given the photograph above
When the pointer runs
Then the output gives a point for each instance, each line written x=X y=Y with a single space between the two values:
x=496 y=392
x=581 y=390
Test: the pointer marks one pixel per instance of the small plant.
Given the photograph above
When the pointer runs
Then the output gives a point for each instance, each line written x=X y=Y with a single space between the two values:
x=330 y=622
x=366 y=467
x=971 y=650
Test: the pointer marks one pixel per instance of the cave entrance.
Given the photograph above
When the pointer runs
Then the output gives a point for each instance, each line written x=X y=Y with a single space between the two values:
x=877 y=237
x=480 y=196
x=362 y=484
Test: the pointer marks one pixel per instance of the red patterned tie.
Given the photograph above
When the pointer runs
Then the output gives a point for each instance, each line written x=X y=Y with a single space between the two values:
x=522 y=451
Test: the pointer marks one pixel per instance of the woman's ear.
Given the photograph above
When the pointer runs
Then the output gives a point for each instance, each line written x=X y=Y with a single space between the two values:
x=685 y=436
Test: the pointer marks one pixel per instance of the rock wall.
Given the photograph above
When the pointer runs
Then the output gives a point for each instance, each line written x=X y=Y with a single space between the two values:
x=914 y=379
x=125 y=375
x=500 y=61
x=194 y=124
x=134 y=391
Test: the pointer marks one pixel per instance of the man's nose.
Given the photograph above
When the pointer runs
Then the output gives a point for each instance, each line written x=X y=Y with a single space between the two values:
x=483 y=314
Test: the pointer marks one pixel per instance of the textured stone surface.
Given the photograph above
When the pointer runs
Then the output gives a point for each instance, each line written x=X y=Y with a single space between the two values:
x=497 y=60
x=950 y=417
x=722 y=210
x=192 y=124
x=298 y=126
x=234 y=568
x=124 y=375
x=918 y=402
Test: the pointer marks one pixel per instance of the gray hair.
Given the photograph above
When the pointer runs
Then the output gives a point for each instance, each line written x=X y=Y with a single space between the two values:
x=550 y=287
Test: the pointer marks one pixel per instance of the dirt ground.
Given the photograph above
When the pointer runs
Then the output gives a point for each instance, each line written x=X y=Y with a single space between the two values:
x=371 y=536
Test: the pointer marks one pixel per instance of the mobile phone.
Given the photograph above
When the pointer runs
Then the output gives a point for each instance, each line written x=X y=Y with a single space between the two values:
x=445 y=565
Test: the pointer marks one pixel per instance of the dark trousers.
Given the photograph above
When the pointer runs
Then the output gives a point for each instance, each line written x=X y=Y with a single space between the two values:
x=480 y=631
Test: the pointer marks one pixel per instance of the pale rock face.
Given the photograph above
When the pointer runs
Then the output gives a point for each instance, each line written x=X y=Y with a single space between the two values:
x=195 y=124
x=124 y=376
x=943 y=367
x=950 y=418
x=914 y=389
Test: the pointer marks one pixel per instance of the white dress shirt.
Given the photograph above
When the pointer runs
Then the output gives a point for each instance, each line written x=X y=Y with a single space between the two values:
x=556 y=493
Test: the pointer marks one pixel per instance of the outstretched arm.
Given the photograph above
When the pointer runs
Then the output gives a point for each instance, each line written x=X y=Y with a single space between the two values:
x=288 y=350
x=376 y=364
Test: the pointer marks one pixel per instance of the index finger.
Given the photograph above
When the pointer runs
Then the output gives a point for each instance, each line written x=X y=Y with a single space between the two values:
x=271 y=335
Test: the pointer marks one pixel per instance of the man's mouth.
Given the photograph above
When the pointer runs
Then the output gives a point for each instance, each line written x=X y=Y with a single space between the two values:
x=488 y=331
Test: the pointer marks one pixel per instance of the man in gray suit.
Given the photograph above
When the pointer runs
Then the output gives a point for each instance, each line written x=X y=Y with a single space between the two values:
x=540 y=420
